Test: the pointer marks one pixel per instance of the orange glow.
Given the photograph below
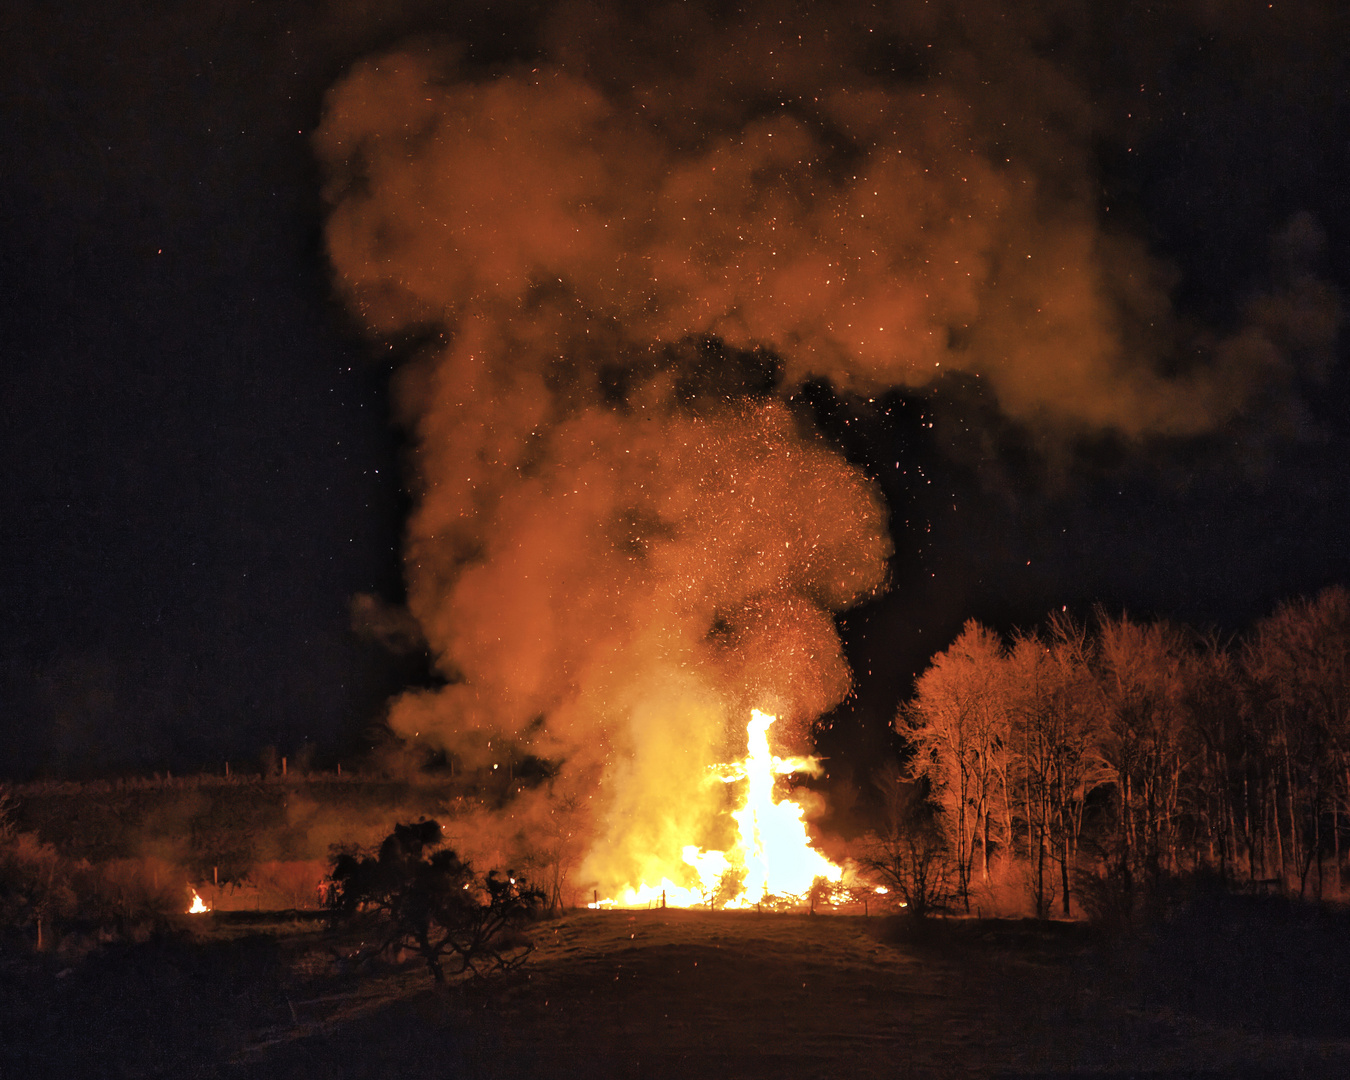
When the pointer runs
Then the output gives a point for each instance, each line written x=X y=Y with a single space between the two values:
x=198 y=904
x=772 y=856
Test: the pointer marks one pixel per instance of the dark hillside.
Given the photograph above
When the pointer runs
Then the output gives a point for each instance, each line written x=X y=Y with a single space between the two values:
x=203 y=822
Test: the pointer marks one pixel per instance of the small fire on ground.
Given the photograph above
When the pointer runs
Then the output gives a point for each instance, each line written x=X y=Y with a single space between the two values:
x=772 y=856
x=198 y=904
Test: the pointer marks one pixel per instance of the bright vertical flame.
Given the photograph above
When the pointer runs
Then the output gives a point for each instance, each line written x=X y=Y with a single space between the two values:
x=773 y=854
x=198 y=904
x=774 y=845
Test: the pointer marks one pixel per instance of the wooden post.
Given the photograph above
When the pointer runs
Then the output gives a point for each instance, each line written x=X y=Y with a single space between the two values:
x=227 y=770
x=339 y=768
x=596 y=893
x=215 y=876
x=283 y=767
x=663 y=899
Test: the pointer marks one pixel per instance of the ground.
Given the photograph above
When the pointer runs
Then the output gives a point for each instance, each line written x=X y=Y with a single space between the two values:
x=656 y=994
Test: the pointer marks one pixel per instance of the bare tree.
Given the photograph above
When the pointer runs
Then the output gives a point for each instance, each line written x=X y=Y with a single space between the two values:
x=1140 y=681
x=1235 y=760
x=910 y=852
x=559 y=844
x=958 y=723
x=1298 y=661
x=1213 y=702
x=1055 y=740
x=1077 y=767
x=434 y=904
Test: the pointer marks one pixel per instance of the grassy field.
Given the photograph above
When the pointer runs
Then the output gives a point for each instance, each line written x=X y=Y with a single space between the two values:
x=657 y=994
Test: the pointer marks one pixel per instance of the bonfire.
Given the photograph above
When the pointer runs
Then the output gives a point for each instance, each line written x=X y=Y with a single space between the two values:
x=772 y=856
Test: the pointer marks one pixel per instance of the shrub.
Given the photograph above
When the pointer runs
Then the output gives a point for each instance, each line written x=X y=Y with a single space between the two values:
x=434 y=904
x=36 y=887
x=295 y=883
x=910 y=854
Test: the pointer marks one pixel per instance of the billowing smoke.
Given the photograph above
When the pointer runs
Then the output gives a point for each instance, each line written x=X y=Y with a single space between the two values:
x=625 y=262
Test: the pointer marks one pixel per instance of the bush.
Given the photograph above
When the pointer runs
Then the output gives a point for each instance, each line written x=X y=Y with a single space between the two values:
x=294 y=883
x=45 y=896
x=36 y=887
x=910 y=854
x=434 y=904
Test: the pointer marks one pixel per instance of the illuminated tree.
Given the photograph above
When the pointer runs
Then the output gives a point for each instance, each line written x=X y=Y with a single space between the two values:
x=1140 y=677
x=1235 y=761
x=958 y=723
x=1055 y=740
x=1298 y=663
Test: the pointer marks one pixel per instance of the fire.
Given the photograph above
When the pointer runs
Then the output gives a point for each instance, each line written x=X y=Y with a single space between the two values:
x=198 y=904
x=773 y=854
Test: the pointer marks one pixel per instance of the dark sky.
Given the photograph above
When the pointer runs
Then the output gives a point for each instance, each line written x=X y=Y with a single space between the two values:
x=200 y=471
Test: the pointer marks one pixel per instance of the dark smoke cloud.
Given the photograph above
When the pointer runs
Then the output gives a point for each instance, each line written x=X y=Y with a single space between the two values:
x=626 y=260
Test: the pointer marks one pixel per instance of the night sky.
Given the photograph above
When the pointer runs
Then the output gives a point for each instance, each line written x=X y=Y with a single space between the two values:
x=201 y=471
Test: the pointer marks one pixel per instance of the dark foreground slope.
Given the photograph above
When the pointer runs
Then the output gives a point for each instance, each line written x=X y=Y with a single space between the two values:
x=678 y=994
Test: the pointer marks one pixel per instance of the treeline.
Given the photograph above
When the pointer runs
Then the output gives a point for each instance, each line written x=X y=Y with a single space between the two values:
x=1099 y=762
x=183 y=782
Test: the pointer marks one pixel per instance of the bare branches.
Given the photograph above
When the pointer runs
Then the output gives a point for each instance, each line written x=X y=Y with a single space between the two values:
x=910 y=853
x=435 y=905
x=1163 y=752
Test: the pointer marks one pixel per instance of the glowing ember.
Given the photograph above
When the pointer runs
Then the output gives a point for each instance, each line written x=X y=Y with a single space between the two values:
x=773 y=854
x=198 y=904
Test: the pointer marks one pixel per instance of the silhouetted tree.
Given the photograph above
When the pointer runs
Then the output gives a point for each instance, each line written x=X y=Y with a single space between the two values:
x=910 y=852
x=435 y=904
x=1212 y=697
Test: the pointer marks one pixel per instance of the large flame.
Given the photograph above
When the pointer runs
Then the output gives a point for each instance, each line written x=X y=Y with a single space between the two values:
x=198 y=904
x=772 y=857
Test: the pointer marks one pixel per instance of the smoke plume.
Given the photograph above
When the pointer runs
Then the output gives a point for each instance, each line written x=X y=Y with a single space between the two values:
x=623 y=262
